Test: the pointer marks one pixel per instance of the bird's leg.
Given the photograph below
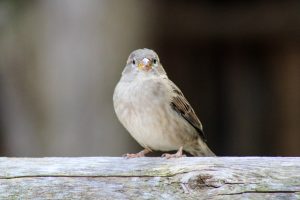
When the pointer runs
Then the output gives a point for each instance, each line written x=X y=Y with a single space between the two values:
x=178 y=154
x=137 y=155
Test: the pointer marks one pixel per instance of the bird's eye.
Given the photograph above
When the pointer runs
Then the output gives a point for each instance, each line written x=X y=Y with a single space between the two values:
x=154 y=61
x=133 y=62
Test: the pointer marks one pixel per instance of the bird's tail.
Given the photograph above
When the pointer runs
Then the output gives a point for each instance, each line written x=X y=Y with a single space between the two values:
x=202 y=150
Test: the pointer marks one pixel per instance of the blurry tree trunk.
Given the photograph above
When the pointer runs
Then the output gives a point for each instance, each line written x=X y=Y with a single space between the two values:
x=286 y=77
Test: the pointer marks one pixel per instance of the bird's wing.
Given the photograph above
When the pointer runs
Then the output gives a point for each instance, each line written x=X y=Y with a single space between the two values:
x=184 y=109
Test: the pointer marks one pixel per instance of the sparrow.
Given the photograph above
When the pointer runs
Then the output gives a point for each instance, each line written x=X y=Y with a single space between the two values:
x=154 y=110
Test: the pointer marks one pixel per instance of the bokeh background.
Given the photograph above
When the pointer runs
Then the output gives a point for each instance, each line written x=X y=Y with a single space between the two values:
x=237 y=62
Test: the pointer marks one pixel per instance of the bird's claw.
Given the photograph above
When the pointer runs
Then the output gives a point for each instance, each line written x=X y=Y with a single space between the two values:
x=133 y=155
x=175 y=155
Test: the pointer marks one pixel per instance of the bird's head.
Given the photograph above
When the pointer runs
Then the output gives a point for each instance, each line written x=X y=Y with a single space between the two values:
x=144 y=61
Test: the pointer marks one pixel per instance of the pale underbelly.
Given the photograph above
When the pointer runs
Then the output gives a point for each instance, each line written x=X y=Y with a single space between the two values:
x=154 y=140
x=163 y=132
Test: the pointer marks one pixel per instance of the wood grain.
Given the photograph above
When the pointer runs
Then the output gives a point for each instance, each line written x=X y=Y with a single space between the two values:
x=150 y=178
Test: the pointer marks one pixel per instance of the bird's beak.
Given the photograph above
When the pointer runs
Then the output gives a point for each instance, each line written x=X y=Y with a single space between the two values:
x=145 y=64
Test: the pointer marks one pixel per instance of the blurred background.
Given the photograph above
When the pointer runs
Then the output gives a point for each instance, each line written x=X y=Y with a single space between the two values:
x=237 y=62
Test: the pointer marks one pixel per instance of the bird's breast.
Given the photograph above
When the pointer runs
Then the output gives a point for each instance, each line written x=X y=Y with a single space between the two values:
x=143 y=109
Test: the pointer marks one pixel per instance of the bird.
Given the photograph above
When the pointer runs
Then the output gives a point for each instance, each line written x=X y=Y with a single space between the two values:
x=154 y=110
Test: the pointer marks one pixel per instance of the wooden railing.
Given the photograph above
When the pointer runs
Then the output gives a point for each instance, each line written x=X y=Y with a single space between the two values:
x=150 y=178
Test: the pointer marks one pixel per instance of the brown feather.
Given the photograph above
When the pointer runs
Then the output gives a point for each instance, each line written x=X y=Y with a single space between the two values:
x=184 y=109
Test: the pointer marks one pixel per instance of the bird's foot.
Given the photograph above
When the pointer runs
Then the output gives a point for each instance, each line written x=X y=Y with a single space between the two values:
x=178 y=154
x=133 y=155
x=136 y=155
x=175 y=155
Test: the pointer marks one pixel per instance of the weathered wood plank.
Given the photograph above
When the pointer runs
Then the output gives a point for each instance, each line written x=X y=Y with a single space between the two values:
x=150 y=178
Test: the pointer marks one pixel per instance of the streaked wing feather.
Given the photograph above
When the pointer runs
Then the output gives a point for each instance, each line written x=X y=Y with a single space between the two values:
x=184 y=109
